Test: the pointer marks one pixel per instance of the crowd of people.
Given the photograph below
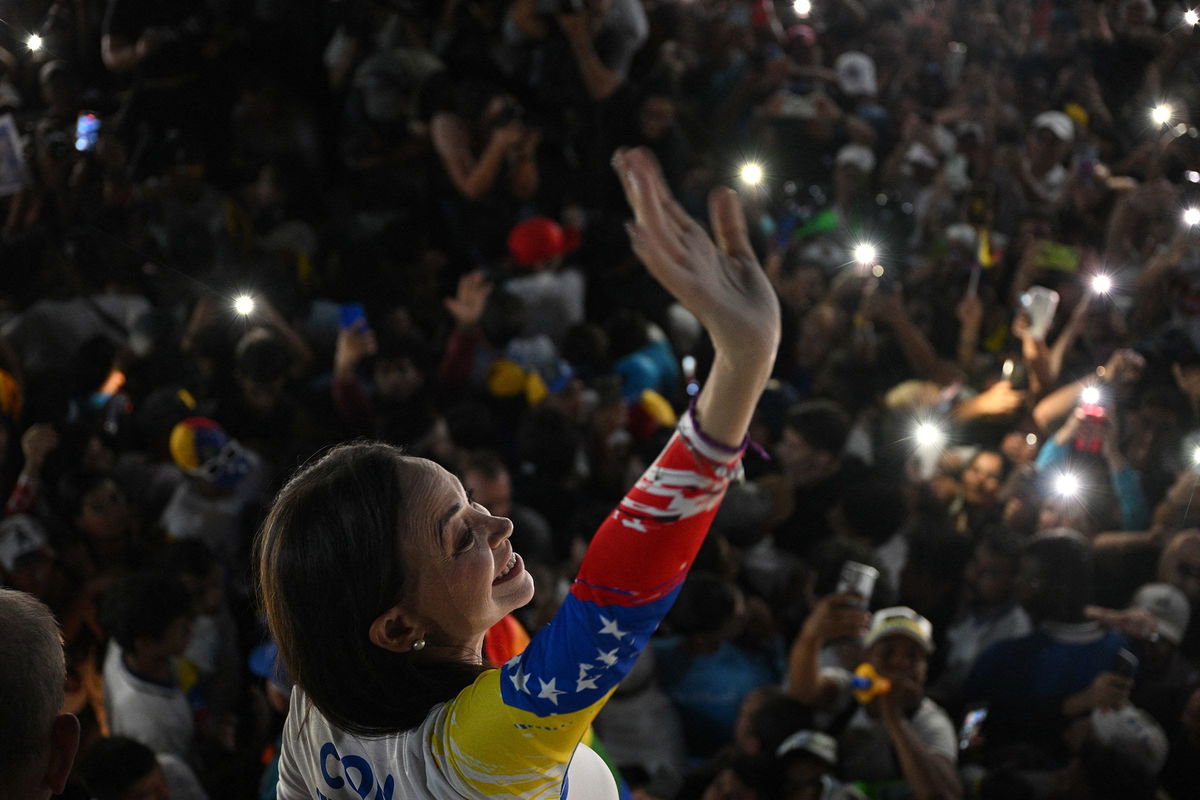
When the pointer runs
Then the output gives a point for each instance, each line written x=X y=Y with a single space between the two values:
x=234 y=235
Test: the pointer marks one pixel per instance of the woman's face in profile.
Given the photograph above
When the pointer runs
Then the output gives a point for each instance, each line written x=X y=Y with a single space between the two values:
x=464 y=574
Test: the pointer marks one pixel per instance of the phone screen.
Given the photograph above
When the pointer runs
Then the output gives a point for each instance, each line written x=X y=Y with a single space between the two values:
x=968 y=735
x=87 y=132
x=351 y=315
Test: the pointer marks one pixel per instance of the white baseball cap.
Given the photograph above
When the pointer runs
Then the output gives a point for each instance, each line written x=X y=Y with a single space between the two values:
x=856 y=74
x=856 y=155
x=1057 y=123
x=900 y=621
x=815 y=743
x=1168 y=605
x=1133 y=731
x=21 y=535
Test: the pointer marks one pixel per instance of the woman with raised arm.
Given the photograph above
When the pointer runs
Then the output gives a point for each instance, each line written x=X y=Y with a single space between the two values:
x=380 y=576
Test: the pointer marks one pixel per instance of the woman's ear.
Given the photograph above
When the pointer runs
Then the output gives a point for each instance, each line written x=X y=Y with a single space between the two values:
x=392 y=630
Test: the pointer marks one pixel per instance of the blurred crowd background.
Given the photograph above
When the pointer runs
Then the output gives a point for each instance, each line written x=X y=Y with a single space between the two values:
x=233 y=234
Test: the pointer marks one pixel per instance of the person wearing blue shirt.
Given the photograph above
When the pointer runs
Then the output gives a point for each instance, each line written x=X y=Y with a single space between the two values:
x=1035 y=685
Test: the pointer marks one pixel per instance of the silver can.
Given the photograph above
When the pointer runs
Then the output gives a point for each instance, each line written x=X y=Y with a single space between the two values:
x=858 y=579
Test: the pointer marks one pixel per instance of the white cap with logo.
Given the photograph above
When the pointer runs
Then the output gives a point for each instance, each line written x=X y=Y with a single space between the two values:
x=1168 y=605
x=900 y=621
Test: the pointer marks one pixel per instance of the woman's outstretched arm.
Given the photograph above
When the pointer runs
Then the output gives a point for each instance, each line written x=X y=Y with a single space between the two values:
x=515 y=729
x=720 y=282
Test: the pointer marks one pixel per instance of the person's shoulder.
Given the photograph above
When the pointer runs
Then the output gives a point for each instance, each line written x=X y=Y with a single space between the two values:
x=1006 y=649
x=627 y=16
x=935 y=729
x=931 y=713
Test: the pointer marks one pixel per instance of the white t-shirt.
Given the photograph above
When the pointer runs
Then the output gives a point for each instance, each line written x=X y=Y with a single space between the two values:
x=553 y=302
x=180 y=779
x=158 y=716
x=865 y=751
x=401 y=765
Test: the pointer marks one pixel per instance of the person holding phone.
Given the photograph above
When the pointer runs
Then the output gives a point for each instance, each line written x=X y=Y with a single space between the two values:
x=387 y=657
x=1035 y=685
x=900 y=734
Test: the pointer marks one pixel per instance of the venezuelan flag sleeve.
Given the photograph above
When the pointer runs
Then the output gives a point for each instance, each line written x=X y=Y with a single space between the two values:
x=515 y=730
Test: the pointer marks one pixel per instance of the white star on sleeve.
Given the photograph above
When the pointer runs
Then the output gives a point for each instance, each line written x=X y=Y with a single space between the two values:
x=549 y=692
x=610 y=627
x=608 y=658
x=588 y=683
x=520 y=681
x=584 y=668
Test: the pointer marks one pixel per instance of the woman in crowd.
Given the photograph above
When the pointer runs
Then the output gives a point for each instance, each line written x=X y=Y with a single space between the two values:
x=393 y=690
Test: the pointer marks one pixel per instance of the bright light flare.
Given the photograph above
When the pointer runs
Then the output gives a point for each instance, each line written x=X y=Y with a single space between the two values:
x=751 y=173
x=1191 y=217
x=1067 y=485
x=1090 y=396
x=929 y=436
x=1102 y=284
x=34 y=43
x=865 y=253
x=1196 y=456
x=1161 y=114
x=1190 y=17
x=244 y=305
x=804 y=7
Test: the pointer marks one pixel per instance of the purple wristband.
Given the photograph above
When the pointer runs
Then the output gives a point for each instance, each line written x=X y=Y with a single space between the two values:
x=721 y=446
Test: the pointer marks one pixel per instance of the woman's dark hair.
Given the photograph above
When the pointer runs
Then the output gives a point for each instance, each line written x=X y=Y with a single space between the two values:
x=328 y=566
x=111 y=766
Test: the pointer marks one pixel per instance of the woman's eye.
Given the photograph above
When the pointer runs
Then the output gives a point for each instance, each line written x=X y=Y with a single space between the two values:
x=467 y=540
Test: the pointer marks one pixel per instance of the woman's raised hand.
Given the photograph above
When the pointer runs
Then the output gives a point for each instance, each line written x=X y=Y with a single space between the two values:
x=720 y=282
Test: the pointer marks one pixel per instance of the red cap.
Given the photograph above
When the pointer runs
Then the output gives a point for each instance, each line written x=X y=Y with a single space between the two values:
x=535 y=240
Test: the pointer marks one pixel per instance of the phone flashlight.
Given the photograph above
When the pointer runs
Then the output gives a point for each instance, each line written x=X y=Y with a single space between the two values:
x=929 y=435
x=1090 y=396
x=1161 y=114
x=1190 y=17
x=804 y=7
x=751 y=173
x=865 y=253
x=1191 y=217
x=1066 y=485
x=244 y=305
x=34 y=43
x=1101 y=284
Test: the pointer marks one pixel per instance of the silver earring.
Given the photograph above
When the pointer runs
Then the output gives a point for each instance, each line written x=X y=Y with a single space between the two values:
x=419 y=644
